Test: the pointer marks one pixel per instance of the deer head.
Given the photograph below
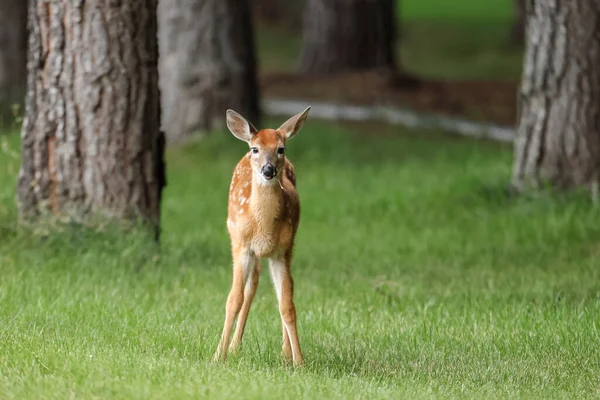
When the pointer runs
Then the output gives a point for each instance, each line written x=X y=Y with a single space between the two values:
x=267 y=146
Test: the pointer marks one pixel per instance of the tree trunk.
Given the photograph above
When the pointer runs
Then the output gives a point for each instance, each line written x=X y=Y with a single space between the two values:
x=91 y=144
x=13 y=46
x=558 y=138
x=207 y=64
x=517 y=31
x=346 y=35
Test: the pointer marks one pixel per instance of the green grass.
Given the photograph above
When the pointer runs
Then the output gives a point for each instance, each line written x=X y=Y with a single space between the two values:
x=414 y=278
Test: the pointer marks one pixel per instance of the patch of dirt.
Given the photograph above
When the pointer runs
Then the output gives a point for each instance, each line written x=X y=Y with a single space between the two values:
x=483 y=101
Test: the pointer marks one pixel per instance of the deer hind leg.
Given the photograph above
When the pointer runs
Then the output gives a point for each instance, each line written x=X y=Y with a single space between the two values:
x=284 y=288
x=243 y=264
x=249 y=292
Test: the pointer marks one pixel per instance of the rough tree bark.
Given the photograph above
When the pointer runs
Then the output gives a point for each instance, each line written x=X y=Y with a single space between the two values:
x=13 y=45
x=345 y=35
x=91 y=144
x=558 y=138
x=207 y=64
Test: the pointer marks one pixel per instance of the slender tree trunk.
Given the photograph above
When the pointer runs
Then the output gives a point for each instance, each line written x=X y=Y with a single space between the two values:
x=345 y=35
x=91 y=143
x=558 y=138
x=13 y=45
x=207 y=64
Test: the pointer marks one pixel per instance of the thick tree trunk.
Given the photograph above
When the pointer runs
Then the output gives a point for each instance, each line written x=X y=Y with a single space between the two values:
x=346 y=35
x=517 y=31
x=91 y=143
x=207 y=64
x=558 y=140
x=13 y=45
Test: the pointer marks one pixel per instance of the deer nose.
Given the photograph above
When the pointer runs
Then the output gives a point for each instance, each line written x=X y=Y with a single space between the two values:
x=268 y=171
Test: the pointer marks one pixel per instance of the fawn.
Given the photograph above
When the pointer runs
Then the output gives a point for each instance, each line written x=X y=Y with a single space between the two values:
x=263 y=216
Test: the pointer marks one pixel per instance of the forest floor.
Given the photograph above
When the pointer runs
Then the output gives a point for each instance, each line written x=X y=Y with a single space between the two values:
x=415 y=277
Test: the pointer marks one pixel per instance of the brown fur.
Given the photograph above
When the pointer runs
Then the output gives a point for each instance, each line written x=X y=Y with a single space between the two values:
x=263 y=218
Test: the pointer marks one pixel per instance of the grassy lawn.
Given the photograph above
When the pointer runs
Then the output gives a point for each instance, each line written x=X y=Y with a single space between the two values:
x=414 y=279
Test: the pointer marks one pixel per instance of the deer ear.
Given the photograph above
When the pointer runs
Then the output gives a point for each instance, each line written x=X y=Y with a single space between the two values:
x=292 y=126
x=240 y=127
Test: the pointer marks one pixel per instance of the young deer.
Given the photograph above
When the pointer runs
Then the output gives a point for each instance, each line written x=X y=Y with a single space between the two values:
x=263 y=217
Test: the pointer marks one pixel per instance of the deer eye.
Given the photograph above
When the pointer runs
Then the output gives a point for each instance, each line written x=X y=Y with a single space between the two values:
x=254 y=150
x=281 y=150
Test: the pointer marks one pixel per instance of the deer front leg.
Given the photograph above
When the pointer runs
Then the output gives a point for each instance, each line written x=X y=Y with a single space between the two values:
x=249 y=292
x=243 y=263
x=284 y=288
x=286 y=348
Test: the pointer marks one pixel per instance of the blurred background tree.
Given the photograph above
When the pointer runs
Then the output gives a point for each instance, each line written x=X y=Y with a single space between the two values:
x=346 y=35
x=207 y=64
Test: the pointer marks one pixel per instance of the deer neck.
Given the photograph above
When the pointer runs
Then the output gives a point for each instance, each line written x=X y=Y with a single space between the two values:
x=266 y=200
